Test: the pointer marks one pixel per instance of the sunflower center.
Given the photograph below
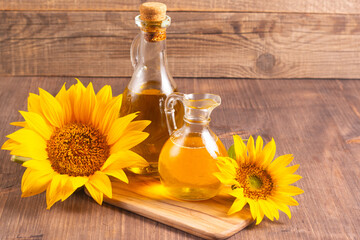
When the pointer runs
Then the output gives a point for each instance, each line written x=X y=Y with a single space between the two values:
x=77 y=150
x=256 y=182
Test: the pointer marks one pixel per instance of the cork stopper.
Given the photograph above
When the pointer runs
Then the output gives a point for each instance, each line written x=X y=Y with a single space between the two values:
x=153 y=11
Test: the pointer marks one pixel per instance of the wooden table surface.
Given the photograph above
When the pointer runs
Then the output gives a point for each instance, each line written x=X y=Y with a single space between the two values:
x=316 y=120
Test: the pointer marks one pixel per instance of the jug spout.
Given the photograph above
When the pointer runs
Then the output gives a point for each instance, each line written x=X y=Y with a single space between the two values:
x=197 y=108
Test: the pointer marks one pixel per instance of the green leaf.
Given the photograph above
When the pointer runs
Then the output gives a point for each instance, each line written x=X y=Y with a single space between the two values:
x=231 y=152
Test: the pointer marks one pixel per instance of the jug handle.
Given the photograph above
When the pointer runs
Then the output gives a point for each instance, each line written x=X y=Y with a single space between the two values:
x=170 y=110
x=134 y=51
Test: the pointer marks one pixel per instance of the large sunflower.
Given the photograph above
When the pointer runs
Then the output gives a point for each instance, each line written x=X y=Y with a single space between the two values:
x=257 y=180
x=75 y=139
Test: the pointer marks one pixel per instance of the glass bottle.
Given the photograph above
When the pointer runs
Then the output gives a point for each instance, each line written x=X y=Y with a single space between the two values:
x=188 y=159
x=150 y=84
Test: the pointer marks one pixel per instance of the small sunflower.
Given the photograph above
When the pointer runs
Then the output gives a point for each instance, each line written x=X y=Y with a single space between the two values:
x=258 y=180
x=75 y=139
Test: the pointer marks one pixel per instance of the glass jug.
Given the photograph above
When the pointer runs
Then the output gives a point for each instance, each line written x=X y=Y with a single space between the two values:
x=148 y=88
x=188 y=159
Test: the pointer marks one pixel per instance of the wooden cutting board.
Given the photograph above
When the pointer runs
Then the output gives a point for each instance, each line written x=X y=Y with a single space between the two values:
x=207 y=219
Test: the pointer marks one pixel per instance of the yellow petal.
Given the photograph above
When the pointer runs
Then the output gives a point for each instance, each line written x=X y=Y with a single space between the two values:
x=51 y=109
x=118 y=173
x=67 y=189
x=72 y=96
x=116 y=101
x=238 y=193
x=224 y=179
x=26 y=152
x=60 y=95
x=34 y=104
x=104 y=95
x=285 y=199
x=124 y=159
x=251 y=150
x=254 y=208
x=282 y=207
x=240 y=148
x=53 y=191
x=103 y=103
x=237 y=206
x=288 y=179
x=289 y=190
x=281 y=162
x=24 y=178
x=284 y=171
x=102 y=183
x=88 y=103
x=99 y=111
x=34 y=182
x=264 y=207
x=118 y=127
x=227 y=166
x=227 y=174
x=9 y=145
x=38 y=124
x=259 y=216
x=275 y=213
x=22 y=133
x=128 y=140
x=79 y=181
x=64 y=100
x=95 y=193
x=268 y=154
x=273 y=208
x=77 y=95
x=85 y=101
x=30 y=144
x=39 y=165
x=259 y=145
x=71 y=185
x=19 y=124
x=138 y=125
x=79 y=84
x=111 y=114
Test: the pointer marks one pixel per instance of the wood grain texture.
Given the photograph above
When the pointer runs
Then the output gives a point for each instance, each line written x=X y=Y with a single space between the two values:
x=306 y=6
x=238 y=45
x=207 y=219
x=312 y=119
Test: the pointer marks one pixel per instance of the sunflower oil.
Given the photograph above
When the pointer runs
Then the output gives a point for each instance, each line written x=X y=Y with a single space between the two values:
x=149 y=103
x=192 y=177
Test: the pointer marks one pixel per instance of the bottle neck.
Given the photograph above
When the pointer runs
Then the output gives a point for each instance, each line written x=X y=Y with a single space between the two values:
x=148 y=57
x=196 y=126
x=152 y=53
x=152 y=49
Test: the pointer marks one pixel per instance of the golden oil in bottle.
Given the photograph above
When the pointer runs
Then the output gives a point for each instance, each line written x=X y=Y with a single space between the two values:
x=149 y=103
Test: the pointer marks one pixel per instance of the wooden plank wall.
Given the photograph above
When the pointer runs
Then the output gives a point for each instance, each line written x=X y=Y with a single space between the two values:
x=208 y=38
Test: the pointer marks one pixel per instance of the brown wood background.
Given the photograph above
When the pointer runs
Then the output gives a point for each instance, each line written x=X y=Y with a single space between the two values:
x=316 y=120
x=208 y=38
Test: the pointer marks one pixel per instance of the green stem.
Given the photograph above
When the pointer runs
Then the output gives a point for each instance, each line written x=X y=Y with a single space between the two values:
x=19 y=159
